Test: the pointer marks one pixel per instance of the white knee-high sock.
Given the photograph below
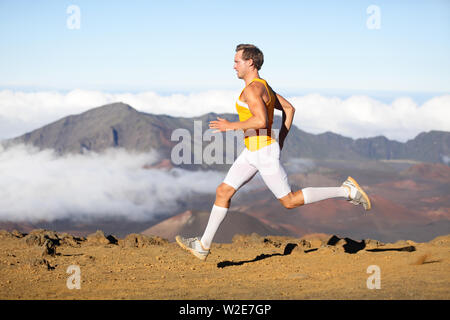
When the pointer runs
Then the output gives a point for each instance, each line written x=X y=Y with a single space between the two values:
x=215 y=219
x=311 y=195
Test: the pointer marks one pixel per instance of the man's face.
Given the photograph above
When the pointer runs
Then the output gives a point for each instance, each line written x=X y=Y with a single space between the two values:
x=240 y=65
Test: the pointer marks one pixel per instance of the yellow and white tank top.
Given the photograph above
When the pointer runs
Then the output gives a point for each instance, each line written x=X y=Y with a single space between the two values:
x=261 y=137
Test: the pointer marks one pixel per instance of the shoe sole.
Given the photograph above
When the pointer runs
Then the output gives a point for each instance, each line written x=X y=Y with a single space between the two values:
x=195 y=253
x=365 y=196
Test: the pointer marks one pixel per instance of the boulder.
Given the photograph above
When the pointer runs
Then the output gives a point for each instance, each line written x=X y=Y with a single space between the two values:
x=135 y=240
x=39 y=236
x=99 y=238
x=49 y=248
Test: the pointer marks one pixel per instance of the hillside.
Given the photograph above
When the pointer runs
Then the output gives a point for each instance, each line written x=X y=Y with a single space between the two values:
x=119 y=125
x=193 y=222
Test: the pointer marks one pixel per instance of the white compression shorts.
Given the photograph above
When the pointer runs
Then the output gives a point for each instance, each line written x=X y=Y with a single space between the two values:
x=266 y=161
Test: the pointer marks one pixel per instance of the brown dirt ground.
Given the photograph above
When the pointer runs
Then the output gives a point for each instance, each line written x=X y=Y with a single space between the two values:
x=251 y=267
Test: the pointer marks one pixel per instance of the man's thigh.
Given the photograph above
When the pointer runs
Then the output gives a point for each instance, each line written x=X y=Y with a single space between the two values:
x=277 y=181
x=241 y=171
x=267 y=162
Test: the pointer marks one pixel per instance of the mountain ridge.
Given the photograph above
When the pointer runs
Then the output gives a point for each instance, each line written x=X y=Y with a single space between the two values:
x=120 y=125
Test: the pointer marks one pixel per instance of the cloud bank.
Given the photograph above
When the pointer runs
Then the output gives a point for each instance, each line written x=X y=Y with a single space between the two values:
x=355 y=117
x=364 y=117
x=39 y=185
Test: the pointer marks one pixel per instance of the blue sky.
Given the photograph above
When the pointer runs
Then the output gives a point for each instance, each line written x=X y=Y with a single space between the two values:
x=186 y=46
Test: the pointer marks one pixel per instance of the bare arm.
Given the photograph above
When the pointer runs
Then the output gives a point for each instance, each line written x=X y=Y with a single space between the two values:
x=286 y=108
x=288 y=115
x=253 y=97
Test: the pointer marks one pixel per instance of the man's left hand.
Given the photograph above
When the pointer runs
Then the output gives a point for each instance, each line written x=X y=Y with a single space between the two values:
x=220 y=124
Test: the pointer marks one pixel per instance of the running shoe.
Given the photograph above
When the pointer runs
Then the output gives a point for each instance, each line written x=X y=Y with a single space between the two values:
x=357 y=195
x=194 y=246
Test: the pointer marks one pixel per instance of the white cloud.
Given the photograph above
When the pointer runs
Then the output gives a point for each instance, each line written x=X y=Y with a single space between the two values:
x=356 y=117
x=39 y=185
x=21 y=112
x=362 y=116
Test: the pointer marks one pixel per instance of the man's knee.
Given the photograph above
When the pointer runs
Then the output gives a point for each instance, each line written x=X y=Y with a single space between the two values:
x=224 y=191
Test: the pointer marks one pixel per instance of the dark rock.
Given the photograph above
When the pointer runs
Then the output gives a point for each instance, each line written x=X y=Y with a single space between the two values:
x=41 y=262
x=69 y=240
x=348 y=245
x=254 y=238
x=49 y=248
x=39 y=236
x=304 y=244
x=17 y=234
x=5 y=234
x=99 y=238
x=11 y=235
x=272 y=243
x=371 y=244
x=135 y=240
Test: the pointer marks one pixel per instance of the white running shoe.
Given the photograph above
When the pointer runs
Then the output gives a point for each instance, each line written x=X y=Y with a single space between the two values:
x=357 y=195
x=194 y=246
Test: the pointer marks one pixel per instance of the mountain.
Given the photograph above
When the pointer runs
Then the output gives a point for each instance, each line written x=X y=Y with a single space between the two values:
x=193 y=223
x=120 y=125
x=112 y=125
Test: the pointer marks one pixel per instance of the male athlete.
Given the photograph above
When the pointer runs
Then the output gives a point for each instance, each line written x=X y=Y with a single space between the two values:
x=255 y=106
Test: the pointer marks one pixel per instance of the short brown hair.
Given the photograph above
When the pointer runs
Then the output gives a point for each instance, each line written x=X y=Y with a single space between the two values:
x=251 y=51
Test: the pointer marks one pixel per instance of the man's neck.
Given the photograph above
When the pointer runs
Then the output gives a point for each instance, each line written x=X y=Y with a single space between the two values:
x=252 y=75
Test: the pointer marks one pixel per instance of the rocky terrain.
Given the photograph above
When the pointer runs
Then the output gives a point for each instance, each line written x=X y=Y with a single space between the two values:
x=48 y=265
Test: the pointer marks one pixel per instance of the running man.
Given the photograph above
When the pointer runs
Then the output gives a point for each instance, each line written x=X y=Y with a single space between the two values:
x=255 y=106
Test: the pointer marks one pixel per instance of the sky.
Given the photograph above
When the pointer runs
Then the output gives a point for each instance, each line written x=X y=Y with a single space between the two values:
x=189 y=45
x=56 y=60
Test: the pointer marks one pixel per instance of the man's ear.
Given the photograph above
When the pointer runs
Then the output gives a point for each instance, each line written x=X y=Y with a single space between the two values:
x=251 y=64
